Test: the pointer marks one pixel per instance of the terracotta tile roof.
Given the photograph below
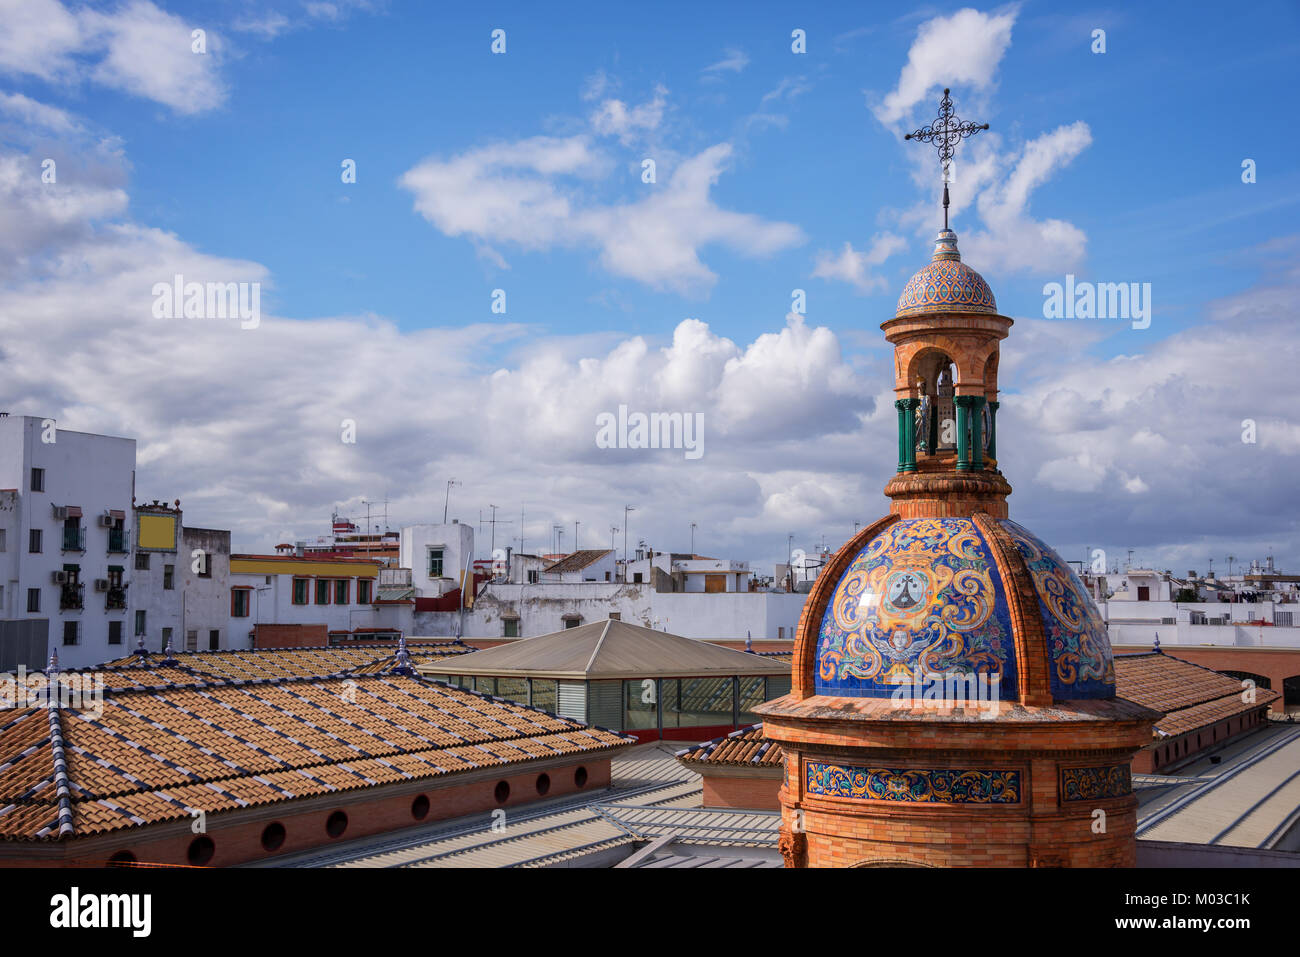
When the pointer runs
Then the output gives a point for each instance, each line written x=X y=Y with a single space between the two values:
x=155 y=754
x=578 y=560
x=745 y=747
x=1191 y=696
x=288 y=662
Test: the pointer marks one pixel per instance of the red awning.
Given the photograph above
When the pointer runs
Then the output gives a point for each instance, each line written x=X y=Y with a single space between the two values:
x=117 y=513
x=74 y=511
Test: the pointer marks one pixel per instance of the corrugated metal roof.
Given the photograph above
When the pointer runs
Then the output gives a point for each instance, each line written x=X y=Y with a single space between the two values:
x=1249 y=799
x=609 y=649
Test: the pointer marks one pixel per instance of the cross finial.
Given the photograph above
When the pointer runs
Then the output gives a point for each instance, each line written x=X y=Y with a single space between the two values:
x=945 y=133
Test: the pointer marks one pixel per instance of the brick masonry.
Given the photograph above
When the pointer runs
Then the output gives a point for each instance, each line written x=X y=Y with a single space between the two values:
x=237 y=835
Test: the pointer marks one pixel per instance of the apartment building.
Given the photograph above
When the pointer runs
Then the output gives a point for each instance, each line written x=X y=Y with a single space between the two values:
x=65 y=543
x=180 y=583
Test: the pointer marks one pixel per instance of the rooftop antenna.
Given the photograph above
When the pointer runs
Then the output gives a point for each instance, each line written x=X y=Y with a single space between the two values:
x=493 y=522
x=626 y=509
x=945 y=133
x=447 y=498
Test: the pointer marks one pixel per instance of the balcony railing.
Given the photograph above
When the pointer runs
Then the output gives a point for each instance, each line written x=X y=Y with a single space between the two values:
x=115 y=599
x=74 y=539
x=72 y=596
x=116 y=540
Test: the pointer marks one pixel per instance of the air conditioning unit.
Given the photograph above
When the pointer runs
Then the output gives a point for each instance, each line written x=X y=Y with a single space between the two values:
x=61 y=512
x=101 y=584
x=60 y=578
x=106 y=520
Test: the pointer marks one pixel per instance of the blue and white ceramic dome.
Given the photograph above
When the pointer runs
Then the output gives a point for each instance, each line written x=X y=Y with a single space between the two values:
x=946 y=284
x=931 y=596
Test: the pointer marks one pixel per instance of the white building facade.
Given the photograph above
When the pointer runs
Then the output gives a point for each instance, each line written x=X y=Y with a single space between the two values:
x=437 y=556
x=65 y=543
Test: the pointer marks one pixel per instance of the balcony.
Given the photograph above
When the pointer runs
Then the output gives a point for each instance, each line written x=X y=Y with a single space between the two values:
x=71 y=597
x=115 y=600
x=117 y=541
x=74 y=539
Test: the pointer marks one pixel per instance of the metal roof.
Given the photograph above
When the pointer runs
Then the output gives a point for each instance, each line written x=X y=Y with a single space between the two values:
x=609 y=649
x=1250 y=799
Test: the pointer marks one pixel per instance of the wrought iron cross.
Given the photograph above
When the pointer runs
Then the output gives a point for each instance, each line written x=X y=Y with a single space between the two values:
x=945 y=133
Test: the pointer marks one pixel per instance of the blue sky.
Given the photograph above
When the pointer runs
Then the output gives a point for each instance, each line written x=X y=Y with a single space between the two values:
x=522 y=172
x=258 y=177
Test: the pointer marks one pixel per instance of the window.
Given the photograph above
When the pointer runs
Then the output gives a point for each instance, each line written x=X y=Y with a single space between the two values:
x=636 y=578
x=70 y=632
x=205 y=563
x=34 y=541
x=72 y=535
x=192 y=640
x=510 y=627
x=139 y=622
x=435 y=563
x=363 y=591
x=117 y=536
x=142 y=561
x=544 y=692
x=2 y=539
x=33 y=600
x=342 y=591
x=169 y=577
x=300 y=591
x=116 y=597
x=114 y=632
x=322 y=591
x=534 y=576
x=38 y=480
x=214 y=639
x=572 y=622
x=167 y=638
x=70 y=592
x=239 y=602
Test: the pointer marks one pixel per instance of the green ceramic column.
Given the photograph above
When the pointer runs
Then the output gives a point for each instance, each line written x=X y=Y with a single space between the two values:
x=977 y=432
x=902 y=433
x=993 y=429
x=909 y=434
x=963 y=403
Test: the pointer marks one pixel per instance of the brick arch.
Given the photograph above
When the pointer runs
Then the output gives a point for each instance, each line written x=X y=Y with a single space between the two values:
x=890 y=862
x=990 y=375
x=909 y=357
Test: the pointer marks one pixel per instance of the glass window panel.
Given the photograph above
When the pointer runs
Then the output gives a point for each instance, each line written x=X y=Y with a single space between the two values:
x=516 y=689
x=639 y=706
x=752 y=694
x=544 y=691
x=703 y=702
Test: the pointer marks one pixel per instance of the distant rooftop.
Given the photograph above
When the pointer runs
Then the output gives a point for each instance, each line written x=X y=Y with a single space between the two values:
x=577 y=561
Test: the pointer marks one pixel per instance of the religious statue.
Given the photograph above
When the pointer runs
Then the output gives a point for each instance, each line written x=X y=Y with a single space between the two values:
x=923 y=422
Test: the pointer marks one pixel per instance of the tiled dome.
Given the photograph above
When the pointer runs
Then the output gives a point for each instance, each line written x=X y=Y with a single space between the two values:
x=946 y=284
x=928 y=597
